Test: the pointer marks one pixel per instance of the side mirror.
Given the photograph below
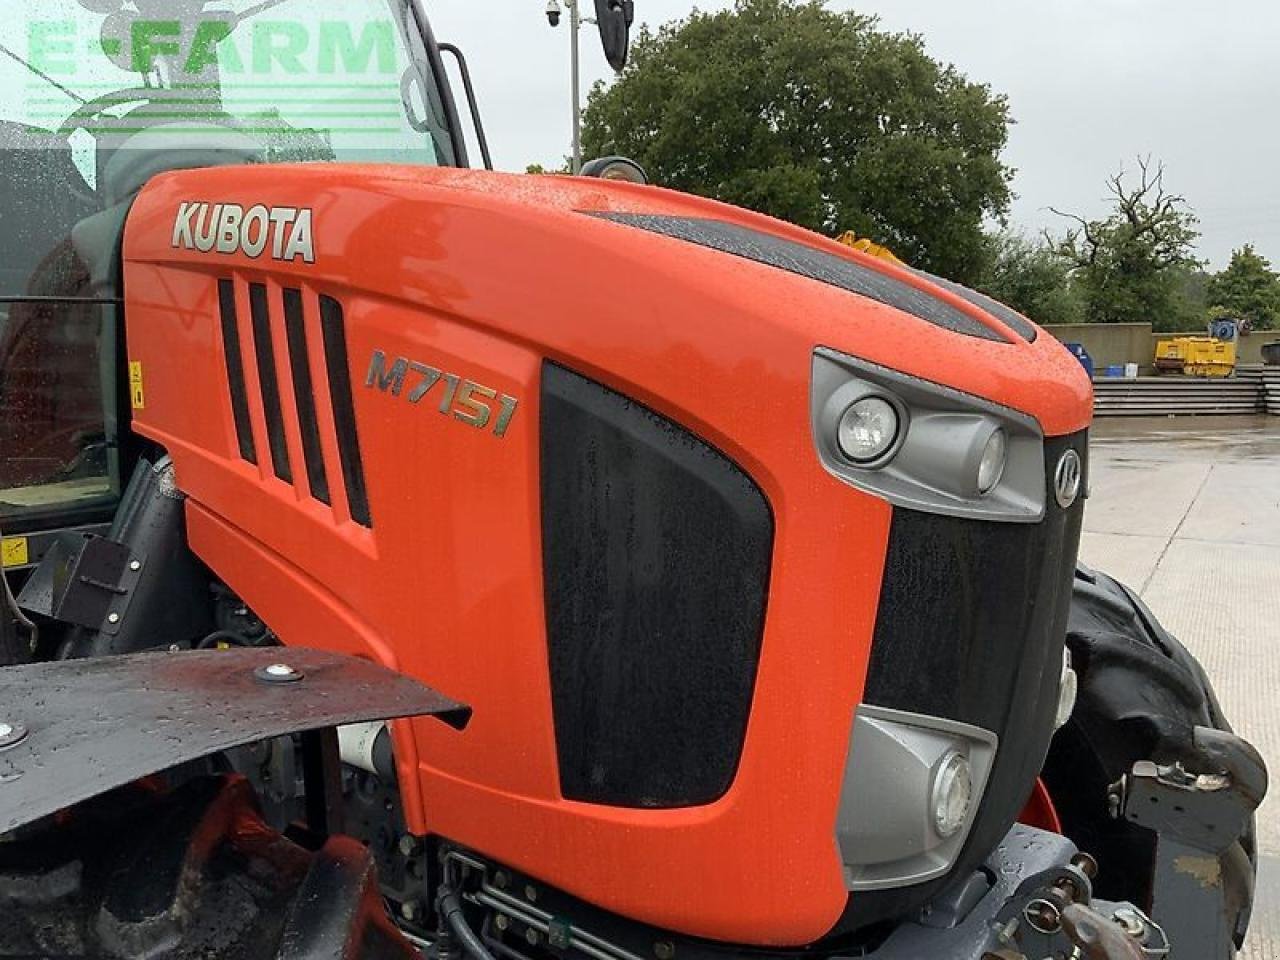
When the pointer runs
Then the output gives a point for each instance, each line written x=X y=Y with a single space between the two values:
x=615 y=18
x=615 y=168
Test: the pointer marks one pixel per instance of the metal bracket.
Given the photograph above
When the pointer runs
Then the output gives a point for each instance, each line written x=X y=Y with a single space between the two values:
x=1170 y=800
x=1197 y=819
x=85 y=580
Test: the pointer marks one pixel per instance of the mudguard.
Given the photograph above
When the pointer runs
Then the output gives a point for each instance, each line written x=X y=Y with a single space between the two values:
x=1149 y=777
x=73 y=730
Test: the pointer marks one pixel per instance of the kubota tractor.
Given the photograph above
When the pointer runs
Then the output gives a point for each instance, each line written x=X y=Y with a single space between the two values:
x=744 y=563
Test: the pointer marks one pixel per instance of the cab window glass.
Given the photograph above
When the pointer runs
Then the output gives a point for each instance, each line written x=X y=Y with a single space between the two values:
x=95 y=95
x=98 y=96
x=58 y=448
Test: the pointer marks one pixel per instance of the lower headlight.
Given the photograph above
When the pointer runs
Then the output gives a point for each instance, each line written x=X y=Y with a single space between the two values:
x=995 y=455
x=952 y=795
x=1068 y=692
x=912 y=784
x=868 y=429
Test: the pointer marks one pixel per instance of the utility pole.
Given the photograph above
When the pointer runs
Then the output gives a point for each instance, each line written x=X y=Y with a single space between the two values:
x=576 y=20
x=575 y=24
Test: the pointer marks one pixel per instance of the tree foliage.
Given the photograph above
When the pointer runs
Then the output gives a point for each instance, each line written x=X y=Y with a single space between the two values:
x=819 y=118
x=1128 y=266
x=1190 y=302
x=1032 y=277
x=1248 y=289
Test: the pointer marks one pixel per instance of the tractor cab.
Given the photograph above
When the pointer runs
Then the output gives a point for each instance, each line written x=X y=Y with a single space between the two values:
x=99 y=96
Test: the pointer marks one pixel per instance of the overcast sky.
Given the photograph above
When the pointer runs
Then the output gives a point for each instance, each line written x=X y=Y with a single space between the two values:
x=1092 y=84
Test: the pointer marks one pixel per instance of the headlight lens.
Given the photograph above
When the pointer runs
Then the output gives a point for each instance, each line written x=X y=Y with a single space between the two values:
x=1068 y=692
x=868 y=429
x=952 y=795
x=994 y=458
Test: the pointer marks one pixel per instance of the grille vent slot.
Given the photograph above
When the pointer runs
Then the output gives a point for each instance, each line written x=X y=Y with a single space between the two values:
x=306 y=413
x=304 y=394
x=235 y=370
x=266 y=352
x=333 y=324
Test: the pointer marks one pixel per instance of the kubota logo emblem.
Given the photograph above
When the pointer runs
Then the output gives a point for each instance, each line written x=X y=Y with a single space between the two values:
x=285 y=232
x=1067 y=479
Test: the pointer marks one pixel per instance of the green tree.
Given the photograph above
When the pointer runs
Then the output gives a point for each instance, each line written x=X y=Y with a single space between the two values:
x=815 y=117
x=1032 y=277
x=1129 y=266
x=539 y=168
x=1248 y=290
x=1190 y=303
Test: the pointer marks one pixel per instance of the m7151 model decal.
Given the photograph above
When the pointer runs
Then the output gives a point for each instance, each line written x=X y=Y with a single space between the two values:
x=472 y=403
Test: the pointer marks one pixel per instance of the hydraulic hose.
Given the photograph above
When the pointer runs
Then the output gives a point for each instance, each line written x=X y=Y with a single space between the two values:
x=450 y=908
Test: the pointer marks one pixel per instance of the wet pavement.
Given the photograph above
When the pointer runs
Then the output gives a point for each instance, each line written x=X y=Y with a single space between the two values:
x=1187 y=512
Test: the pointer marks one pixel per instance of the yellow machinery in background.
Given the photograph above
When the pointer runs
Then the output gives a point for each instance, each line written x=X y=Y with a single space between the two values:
x=1196 y=356
x=851 y=239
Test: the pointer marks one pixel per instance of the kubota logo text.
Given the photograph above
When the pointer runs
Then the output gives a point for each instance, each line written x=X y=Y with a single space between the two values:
x=284 y=232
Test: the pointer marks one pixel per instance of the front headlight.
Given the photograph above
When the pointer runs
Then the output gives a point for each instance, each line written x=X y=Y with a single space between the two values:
x=868 y=430
x=912 y=787
x=924 y=446
x=952 y=795
x=994 y=459
x=1068 y=692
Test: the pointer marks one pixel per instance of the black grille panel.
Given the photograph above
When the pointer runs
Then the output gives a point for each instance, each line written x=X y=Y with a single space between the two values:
x=815 y=264
x=304 y=415
x=972 y=625
x=1007 y=315
x=656 y=552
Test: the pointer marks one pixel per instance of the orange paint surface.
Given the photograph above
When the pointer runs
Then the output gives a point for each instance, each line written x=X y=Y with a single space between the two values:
x=485 y=275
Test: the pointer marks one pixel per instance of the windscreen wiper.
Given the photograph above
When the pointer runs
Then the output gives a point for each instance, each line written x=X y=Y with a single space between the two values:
x=42 y=75
x=258 y=8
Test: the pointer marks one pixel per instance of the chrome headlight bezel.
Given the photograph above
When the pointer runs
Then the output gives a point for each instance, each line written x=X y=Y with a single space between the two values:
x=934 y=463
x=886 y=829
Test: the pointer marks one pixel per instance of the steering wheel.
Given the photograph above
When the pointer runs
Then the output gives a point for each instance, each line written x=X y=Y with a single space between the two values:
x=84 y=116
x=89 y=111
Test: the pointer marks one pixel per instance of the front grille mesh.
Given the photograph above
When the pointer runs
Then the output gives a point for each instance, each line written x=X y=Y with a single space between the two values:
x=971 y=627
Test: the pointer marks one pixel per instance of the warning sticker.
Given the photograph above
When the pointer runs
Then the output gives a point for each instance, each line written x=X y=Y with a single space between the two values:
x=136 y=392
x=14 y=552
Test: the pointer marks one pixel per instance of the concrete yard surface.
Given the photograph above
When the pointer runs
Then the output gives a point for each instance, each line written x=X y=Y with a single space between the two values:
x=1187 y=512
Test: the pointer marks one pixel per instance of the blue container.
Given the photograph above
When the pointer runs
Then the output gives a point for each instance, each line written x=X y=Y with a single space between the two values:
x=1115 y=370
x=1080 y=353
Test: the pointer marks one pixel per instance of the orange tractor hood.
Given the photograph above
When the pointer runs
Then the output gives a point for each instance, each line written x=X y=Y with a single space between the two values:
x=1038 y=378
x=291 y=322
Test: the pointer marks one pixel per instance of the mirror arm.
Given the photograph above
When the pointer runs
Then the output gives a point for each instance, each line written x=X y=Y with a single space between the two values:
x=474 y=104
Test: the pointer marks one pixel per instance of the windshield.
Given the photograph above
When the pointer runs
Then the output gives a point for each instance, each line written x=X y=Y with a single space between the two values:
x=98 y=96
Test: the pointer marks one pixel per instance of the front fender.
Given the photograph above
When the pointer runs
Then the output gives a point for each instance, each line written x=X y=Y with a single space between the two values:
x=80 y=728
